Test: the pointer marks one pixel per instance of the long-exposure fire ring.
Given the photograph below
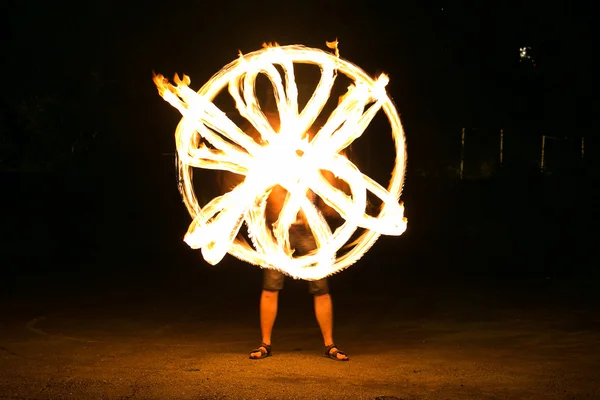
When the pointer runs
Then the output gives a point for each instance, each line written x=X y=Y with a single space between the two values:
x=215 y=227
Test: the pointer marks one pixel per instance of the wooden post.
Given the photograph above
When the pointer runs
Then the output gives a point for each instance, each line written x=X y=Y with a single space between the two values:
x=462 y=155
x=582 y=146
x=543 y=148
x=501 y=146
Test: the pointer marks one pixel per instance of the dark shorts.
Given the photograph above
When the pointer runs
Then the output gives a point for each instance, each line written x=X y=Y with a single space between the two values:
x=273 y=282
x=302 y=241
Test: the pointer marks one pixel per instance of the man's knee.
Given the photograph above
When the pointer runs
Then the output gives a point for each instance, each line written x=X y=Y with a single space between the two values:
x=270 y=295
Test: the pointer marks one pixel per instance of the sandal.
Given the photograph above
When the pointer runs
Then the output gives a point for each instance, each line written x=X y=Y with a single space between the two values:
x=333 y=355
x=263 y=353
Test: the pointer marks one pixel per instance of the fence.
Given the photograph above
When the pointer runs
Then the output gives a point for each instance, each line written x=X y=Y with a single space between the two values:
x=486 y=152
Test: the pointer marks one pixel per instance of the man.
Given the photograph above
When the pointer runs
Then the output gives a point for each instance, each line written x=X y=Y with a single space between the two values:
x=302 y=242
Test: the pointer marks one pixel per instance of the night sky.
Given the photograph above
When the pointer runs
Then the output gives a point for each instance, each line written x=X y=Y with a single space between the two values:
x=451 y=64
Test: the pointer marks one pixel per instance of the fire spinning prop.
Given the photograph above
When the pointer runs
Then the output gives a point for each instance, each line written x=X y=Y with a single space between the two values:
x=287 y=158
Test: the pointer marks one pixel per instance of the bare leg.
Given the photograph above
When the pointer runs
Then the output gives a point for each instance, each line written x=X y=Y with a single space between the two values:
x=324 y=314
x=268 y=313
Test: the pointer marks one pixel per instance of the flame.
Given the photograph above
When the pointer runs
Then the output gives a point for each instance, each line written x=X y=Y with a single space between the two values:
x=284 y=157
x=334 y=46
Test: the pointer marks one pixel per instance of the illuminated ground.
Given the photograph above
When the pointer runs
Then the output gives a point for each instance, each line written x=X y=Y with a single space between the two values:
x=422 y=340
x=473 y=303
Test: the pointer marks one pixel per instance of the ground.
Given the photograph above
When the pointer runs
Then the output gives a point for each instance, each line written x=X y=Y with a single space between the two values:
x=427 y=340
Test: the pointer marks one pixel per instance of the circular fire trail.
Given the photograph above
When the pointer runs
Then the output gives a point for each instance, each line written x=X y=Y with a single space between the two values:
x=285 y=157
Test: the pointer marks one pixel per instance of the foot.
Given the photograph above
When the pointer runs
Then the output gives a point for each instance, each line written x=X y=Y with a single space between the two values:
x=263 y=351
x=334 y=353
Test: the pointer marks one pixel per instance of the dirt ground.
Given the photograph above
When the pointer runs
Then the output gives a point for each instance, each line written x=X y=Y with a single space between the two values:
x=424 y=343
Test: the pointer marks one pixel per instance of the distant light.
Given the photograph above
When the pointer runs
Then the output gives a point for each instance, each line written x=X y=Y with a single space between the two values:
x=524 y=54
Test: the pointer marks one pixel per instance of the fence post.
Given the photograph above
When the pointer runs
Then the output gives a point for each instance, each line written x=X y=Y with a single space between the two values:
x=501 y=146
x=462 y=154
x=543 y=148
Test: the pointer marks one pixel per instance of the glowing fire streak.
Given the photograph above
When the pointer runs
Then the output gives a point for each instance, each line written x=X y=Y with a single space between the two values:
x=277 y=161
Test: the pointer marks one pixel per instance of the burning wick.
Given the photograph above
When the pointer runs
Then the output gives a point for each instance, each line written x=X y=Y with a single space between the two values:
x=287 y=158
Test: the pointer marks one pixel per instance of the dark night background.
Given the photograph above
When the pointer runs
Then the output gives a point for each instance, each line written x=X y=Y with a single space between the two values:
x=88 y=195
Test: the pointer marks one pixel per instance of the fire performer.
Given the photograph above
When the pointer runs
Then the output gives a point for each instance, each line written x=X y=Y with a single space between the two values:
x=279 y=183
x=302 y=243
